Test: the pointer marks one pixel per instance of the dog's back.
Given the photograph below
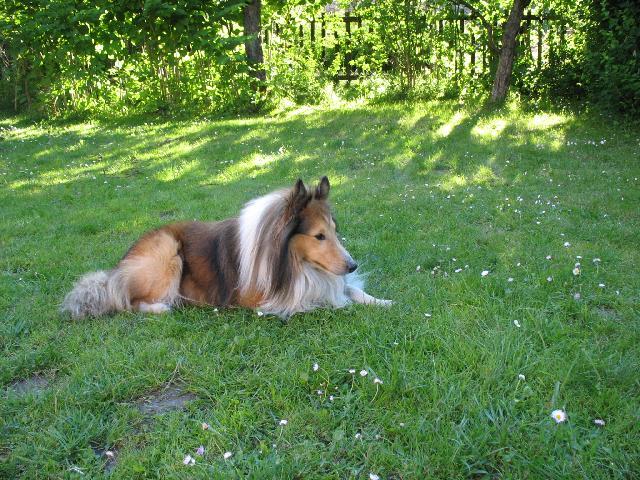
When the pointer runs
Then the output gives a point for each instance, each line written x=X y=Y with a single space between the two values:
x=183 y=262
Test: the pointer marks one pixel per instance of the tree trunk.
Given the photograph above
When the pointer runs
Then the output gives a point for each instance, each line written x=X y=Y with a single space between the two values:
x=508 y=50
x=253 y=44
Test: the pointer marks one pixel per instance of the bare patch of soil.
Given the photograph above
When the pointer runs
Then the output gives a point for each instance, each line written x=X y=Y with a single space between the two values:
x=167 y=399
x=34 y=384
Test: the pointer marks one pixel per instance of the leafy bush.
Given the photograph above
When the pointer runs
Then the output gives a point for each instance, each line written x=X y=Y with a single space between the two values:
x=159 y=56
x=612 y=57
x=68 y=56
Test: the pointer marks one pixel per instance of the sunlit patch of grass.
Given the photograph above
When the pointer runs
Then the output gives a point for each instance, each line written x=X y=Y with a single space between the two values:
x=446 y=129
x=544 y=121
x=428 y=196
x=490 y=129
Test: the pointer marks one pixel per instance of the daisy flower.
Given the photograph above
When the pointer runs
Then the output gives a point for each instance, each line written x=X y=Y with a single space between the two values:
x=559 y=416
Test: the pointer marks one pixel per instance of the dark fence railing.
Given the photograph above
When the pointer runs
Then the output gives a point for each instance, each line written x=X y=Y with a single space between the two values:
x=463 y=41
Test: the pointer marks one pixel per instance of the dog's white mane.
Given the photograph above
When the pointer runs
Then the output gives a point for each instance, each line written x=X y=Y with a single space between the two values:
x=309 y=287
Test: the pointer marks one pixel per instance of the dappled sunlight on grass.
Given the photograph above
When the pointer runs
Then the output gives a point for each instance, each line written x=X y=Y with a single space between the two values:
x=412 y=118
x=177 y=170
x=446 y=129
x=453 y=182
x=461 y=215
x=252 y=167
x=484 y=175
x=490 y=129
x=544 y=121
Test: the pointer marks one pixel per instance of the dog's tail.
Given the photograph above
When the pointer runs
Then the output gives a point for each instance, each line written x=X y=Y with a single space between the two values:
x=97 y=293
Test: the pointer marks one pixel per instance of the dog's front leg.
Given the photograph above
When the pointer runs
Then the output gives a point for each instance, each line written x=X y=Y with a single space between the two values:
x=359 y=296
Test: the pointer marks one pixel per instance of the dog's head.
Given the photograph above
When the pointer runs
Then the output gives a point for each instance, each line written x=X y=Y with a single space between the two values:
x=314 y=239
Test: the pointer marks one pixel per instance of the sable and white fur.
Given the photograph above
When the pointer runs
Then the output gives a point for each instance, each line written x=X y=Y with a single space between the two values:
x=281 y=255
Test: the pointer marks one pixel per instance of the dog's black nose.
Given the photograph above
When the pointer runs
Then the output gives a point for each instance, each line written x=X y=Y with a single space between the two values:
x=351 y=267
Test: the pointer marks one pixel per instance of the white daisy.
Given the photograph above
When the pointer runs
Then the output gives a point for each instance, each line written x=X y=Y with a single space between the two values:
x=599 y=422
x=283 y=422
x=484 y=273
x=559 y=416
x=227 y=455
x=363 y=373
x=315 y=367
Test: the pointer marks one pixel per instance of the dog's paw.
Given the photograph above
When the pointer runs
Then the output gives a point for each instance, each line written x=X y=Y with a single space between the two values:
x=155 y=308
x=384 y=303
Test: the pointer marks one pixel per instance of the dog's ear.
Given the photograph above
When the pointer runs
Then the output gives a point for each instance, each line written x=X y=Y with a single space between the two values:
x=298 y=198
x=322 y=190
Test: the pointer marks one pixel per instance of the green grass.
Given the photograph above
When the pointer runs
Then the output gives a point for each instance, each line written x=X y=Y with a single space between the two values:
x=435 y=185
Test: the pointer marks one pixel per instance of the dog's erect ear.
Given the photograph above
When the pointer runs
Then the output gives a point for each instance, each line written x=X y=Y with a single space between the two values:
x=322 y=190
x=299 y=197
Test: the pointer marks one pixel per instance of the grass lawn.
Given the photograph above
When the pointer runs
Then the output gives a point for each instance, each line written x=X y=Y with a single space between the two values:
x=428 y=197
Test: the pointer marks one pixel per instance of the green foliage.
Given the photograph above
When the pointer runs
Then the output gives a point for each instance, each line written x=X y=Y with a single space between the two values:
x=64 y=56
x=153 y=56
x=295 y=67
x=612 y=56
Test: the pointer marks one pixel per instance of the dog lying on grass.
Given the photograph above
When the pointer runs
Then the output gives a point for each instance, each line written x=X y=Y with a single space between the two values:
x=281 y=255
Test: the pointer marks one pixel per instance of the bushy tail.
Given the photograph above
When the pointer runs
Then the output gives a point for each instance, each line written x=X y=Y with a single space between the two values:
x=97 y=293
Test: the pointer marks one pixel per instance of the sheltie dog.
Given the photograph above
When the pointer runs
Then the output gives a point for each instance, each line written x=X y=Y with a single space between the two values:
x=281 y=255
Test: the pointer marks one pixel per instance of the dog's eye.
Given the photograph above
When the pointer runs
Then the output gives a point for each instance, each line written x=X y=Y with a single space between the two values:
x=320 y=236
